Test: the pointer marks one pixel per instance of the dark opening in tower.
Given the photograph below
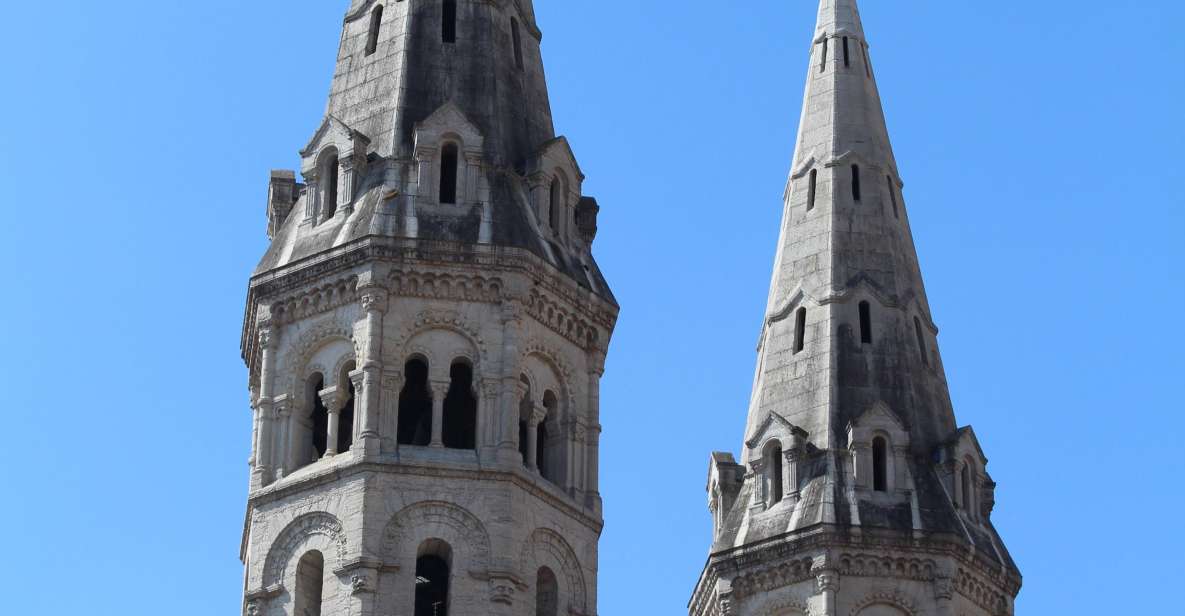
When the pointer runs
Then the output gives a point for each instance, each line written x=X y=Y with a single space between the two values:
x=547 y=593
x=376 y=23
x=415 y=406
x=449 y=156
x=810 y=191
x=517 y=39
x=460 y=408
x=847 y=60
x=310 y=581
x=433 y=570
x=917 y=326
x=345 y=418
x=865 y=323
x=855 y=182
x=319 y=417
x=773 y=463
x=800 y=330
x=448 y=22
x=880 y=465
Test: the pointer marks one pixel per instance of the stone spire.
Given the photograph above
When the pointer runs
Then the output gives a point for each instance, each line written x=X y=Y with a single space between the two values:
x=850 y=432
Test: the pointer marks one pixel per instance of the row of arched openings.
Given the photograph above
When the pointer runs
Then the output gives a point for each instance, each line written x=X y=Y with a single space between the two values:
x=543 y=457
x=433 y=582
x=459 y=412
x=319 y=418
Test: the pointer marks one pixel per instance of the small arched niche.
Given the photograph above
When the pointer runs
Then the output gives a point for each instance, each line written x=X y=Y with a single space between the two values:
x=310 y=584
x=547 y=593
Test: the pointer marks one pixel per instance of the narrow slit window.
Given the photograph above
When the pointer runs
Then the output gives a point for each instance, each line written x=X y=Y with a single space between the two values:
x=448 y=25
x=880 y=465
x=810 y=191
x=823 y=60
x=893 y=196
x=917 y=326
x=518 y=43
x=966 y=481
x=867 y=66
x=800 y=331
x=448 y=173
x=865 y=323
x=556 y=205
x=376 y=23
x=847 y=59
x=856 y=182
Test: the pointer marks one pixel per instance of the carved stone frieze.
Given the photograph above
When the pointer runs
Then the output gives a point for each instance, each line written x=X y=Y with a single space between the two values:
x=980 y=593
x=772 y=578
x=869 y=565
x=318 y=300
x=450 y=286
x=556 y=316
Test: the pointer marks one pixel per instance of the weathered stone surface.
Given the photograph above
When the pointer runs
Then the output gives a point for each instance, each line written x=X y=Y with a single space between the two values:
x=372 y=265
x=855 y=492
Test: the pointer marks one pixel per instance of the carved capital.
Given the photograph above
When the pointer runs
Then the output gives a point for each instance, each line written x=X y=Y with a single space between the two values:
x=333 y=398
x=827 y=580
x=362 y=581
x=374 y=299
x=538 y=415
x=727 y=605
x=439 y=390
x=253 y=608
x=502 y=590
x=266 y=336
x=944 y=588
x=490 y=388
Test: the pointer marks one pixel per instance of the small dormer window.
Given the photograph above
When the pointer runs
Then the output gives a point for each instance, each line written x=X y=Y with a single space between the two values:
x=880 y=464
x=449 y=156
x=329 y=181
x=556 y=204
x=773 y=466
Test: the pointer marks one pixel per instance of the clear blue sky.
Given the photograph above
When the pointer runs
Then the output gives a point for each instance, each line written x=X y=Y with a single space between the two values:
x=1041 y=144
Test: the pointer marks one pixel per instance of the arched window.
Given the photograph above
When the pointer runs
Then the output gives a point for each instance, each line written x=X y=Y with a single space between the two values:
x=547 y=593
x=329 y=163
x=449 y=156
x=810 y=191
x=433 y=572
x=865 y=323
x=917 y=326
x=415 y=406
x=800 y=330
x=773 y=464
x=893 y=196
x=460 y=409
x=966 y=486
x=847 y=60
x=318 y=417
x=880 y=465
x=448 y=25
x=345 y=417
x=823 y=60
x=517 y=39
x=543 y=445
x=855 y=182
x=556 y=204
x=376 y=23
x=310 y=584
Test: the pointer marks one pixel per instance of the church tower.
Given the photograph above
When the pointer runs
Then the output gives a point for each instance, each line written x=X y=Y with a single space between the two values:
x=856 y=493
x=426 y=335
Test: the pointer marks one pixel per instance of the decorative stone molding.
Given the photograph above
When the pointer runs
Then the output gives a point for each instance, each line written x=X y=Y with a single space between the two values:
x=981 y=593
x=448 y=286
x=887 y=597
x=548 y=542
x=468 y=533
x=869 y=565
x=429 y=320
x=318 y=300
x=296 y=534
x=768 y=579
x=551 y=313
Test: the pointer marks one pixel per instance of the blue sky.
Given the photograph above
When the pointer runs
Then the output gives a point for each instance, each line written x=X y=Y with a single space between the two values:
x=1041 y=144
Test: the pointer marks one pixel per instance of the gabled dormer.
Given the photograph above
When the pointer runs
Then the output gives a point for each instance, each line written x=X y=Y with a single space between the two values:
x=331 y=163
x=878 y=443
x=962 y=467
x=448 y=150
x=774 y=450
x=556 y=184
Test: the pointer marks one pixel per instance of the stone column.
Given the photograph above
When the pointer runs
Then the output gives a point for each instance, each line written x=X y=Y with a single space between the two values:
x=827 y=580
x=862 y=464
x=944 y=593
x=790 y=488
x=389 y=418
x=262 y=474
x=349 y=168
x=334 y=401
x=312 y=200
x=282 y=407
x=369 y=395
x=538 y=415
x=439 y=393
x=488 y=426
x=757 y=472
x=592 y=440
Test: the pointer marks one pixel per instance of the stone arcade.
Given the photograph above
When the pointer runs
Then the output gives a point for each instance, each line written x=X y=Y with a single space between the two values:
x=426 y=336
x=856 y=493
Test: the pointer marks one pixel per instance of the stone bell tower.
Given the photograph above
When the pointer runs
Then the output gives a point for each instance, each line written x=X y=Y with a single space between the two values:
x=856 y=493
x=426 y=335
